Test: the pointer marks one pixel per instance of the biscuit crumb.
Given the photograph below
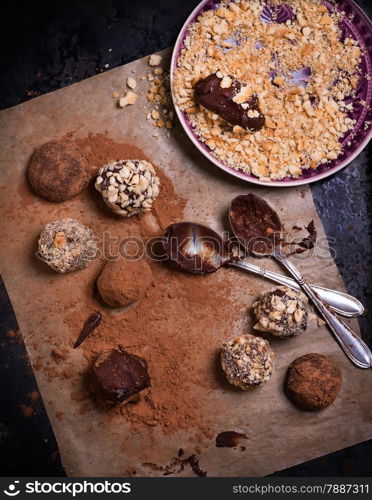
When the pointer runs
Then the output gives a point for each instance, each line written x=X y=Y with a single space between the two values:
x=129 y=98
x=155 y=60
x=131 y=82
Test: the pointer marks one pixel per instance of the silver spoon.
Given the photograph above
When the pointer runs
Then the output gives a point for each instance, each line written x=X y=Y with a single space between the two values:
x=200 y=250
x=258 y=228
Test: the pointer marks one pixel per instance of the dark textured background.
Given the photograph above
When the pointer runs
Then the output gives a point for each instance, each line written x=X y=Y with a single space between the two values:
x=46 y=46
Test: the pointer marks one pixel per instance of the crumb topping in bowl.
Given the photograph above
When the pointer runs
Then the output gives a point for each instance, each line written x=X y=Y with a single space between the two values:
x=299 y=65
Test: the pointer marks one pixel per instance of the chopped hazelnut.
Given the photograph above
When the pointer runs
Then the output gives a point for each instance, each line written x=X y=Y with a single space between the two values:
x=155 y=60
x=129 y=98
x=131 y=82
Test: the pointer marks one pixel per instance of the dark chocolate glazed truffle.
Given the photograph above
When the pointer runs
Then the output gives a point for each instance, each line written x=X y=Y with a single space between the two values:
x=58 y=170
x=116 y=375
x=217 y=93
x=313 y=382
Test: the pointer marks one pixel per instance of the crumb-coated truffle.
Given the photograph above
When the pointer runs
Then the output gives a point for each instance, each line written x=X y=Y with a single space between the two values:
x=58 y=170
x=66 y=245
x=282 y=312
x=313 y=382
x=247 y=361
x=128 y=187
x=123 y=282
x=115 y=376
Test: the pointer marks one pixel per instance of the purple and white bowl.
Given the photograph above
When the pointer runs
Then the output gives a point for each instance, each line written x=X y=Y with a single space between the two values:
x=359 y=28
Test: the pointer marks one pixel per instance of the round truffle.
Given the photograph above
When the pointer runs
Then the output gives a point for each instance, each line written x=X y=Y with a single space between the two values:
x=247 y=361
x=123 y=282
x=313 y=382
x=128 y=187
x=282 y=312
x=66 y=245
x=115 y=376
x=58 y=170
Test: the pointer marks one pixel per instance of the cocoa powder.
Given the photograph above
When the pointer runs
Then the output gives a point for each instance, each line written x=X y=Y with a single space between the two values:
x=166 y=327
x=100 y=149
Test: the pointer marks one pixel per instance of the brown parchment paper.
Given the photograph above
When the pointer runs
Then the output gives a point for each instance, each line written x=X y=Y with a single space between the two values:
x=100 y=444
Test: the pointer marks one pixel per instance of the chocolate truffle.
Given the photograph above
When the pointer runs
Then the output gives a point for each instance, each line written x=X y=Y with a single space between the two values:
x=313 y=382
x=128 y=187
x=66 y=245
x=225 y=96
x=58 y=170
x=282 y=312
x=123 y=282
x=247 y=361
x=115 y=376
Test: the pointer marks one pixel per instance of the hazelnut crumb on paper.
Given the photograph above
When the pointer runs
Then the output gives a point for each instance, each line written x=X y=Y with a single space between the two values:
x=159 y=96
x=129 y=98
x=155 y=60
x=161 y=113
x=300 y=70
x=131 y=82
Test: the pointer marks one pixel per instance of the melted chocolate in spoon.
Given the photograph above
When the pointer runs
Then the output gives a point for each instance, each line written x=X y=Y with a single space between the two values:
x=195 y=248
x=255 y=224
x=259 y=230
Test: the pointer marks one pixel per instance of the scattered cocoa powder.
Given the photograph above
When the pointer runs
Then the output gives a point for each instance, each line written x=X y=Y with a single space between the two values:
x=166 y=327
x=176 y=327
x=179 y=356
x=99 y=149
x=68 y=372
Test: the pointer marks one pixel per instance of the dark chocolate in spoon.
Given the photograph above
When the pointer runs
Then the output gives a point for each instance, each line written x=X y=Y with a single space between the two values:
x=210 y=94
x=195 y=248
x=255 y=224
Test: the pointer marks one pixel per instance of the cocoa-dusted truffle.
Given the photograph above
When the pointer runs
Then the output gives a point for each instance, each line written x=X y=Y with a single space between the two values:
x=115 y=376
x=313 y=382
x=247 y=361
x=58 y=170
x=128 y=187
x=282 y=312
x=66 y=245
x=123 y=282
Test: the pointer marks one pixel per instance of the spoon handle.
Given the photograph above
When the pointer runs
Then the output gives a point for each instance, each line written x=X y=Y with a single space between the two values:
x=340 y=302
x=353 y=346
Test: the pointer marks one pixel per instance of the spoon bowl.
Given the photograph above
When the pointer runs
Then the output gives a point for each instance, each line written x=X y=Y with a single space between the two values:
x=195 y=248
x=255 y=224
